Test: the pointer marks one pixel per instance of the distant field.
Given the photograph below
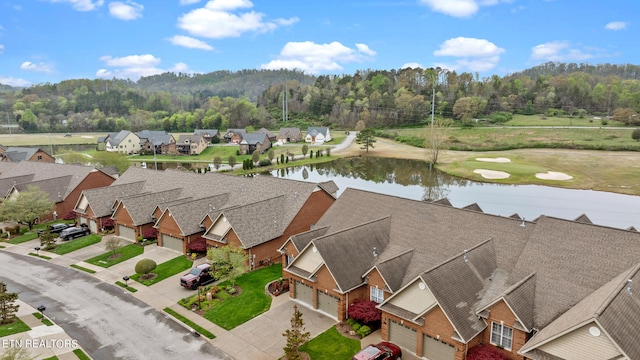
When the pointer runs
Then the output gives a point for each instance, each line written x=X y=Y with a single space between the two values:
x=537 y=120
x=49 y=139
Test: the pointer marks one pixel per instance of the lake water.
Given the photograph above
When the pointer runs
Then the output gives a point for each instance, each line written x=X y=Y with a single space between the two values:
x=413 y=180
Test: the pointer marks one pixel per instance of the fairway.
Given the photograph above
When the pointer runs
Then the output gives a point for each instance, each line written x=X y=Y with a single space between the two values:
x=47 y=139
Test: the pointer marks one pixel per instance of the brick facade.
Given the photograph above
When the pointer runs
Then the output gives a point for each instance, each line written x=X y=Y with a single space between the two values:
x=93 y=180
x=501 y=313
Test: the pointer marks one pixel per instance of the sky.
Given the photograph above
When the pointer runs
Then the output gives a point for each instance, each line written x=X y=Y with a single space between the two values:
x=53 y=40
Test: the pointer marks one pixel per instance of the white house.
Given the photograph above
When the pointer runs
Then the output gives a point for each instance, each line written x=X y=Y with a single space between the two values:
x=317 y=135
x=123 y=142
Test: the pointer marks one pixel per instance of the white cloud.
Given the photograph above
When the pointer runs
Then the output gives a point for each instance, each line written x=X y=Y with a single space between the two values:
x=82 y=5
x=460 y=8
x=125 y=11
x=189 y=42
x=223 y=18
x=39 y=67
x=472 y=54
x=135 y=66
x=189 y=2
x=413 y=65
x=11 y=81
x=616 y=25
x=146 y=60
x=314 y=58
x=559 y=51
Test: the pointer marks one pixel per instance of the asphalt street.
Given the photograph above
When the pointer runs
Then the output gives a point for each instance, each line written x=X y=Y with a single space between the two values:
x=107 y=322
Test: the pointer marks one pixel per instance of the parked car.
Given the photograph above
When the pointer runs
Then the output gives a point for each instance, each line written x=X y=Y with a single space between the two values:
x=74 y=232
x=198 y=276
x=380 y=351
x=55 y=228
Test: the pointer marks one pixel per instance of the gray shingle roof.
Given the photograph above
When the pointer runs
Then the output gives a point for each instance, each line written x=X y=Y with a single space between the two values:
x=155 y=137
x=188 y=213
x=290 y=133
x=16 y=154
x=7 y=184
x=254 y=138
x=55 y=188
x=102 y=199
x=116 y=138
x=140 y=207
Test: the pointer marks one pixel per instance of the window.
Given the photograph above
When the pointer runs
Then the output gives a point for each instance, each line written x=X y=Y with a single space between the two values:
x=376 y=294
x=501 y=335
x=289 y=259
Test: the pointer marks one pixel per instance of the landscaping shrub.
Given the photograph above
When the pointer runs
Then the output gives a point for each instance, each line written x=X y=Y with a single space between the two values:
x=151 y=233
x=365 y=311
x=197 y=245
x=635 y=135
x=108 y=224
x=71 y=215
x=145 y=266
x=364 y=331
x=485 y=352
x=356 y=326
x=351 y=322
x=265 y=162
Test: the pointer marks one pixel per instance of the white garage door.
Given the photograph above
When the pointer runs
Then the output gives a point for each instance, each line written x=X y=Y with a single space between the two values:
x=328 y=304
x=304 y=293
x=93 y=226
x=434 y=349
x=172 y=242
x=126 y=232
x=404 y=336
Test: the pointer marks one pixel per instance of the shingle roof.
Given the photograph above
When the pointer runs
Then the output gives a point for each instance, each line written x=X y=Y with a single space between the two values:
x=7 y=184
x=301 y=240
x=155 y=137
x=140 y=207
x=259 y=221
x=116 y=138
x=55 y=188
x=208 y=132
x=188 y=213
x=315 y=130
x=292 y=132
x=254 y=138
x=183 y=139
x=16 y=154
x=101 y=199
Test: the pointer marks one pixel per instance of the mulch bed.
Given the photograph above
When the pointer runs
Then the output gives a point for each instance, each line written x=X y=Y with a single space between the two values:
x=345 y=330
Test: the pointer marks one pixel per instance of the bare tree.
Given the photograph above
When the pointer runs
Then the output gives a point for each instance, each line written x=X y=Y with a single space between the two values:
x=436 y=139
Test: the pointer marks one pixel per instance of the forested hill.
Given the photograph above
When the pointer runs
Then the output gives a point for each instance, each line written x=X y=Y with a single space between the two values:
x=241 y=84
x=625 y=71
x=376 y=98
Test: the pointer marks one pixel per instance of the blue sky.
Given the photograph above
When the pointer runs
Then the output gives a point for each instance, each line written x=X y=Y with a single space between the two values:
x=54 y=40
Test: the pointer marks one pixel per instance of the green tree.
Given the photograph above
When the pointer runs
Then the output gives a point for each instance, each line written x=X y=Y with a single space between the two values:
x=296 y=336
x=144 y=267
x=113 y=244
x=255 y=157
x=366 y=138
x=47 y=240
x=217 y=161
x=27 y=207
x=232 y=161
x=305 y=149
x=107 y=158
x=8 y=307
x=228 y=262
x=271 y=155
x=635 y=135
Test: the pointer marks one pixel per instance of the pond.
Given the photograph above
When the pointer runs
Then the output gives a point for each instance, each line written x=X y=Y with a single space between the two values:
x=413 y=179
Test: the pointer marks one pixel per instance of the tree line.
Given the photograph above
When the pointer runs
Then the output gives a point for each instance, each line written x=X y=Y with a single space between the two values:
x=376 y=98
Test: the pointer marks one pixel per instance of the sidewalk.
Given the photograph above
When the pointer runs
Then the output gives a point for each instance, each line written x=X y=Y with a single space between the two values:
x=42 y=341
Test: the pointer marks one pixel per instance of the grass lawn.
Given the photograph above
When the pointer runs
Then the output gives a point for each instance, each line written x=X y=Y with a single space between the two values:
x=82 y=268
x=250 y=303
x=76 y=244
x=10 y=329
x=81 y=355
x=166 y=269
x=330 y=345
x=190 y=323
x=537 y=120
x=28 y=236
x=126 y=252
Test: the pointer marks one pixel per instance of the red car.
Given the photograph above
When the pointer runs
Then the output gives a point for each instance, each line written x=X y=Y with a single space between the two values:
x=380 y=351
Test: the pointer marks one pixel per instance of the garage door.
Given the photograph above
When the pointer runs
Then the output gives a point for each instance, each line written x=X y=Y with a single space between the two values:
x=327 y=304
x=93 y=226
x=304 y=293
x=126 y=232
x=403 y=336
x=172 y=242
x=434 y=349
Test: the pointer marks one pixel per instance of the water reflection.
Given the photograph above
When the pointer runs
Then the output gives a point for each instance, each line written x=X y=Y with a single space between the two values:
x=414 y=180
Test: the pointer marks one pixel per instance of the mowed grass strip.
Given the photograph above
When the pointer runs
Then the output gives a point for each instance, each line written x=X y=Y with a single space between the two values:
x=330 y=345
x=251 y=302
x=166 y=270
x=15 y=328
x=190 y=323
x=126 y=252
x=28 y=236
x=76 y=244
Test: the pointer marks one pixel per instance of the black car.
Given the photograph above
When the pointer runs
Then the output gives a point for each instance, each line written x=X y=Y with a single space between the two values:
x=55 y=228
x=74 y=232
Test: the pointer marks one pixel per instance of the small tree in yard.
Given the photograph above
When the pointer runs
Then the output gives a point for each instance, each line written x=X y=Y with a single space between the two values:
x=27 y=207
x=198 y=245
x=144 y=267
x=232 y=161
x=635 y=135
x=150 y=233
x=217 y=161
x=296 y=336
x=228 y=262
x=271 y=155
x=305 y=149
x=365 y=311
x=8 y=308
x=255 y=156
x=113 y=244
x=366 y=138
x=47 y=240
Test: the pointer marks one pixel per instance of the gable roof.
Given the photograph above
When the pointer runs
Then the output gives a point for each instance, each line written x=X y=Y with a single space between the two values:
x=55 y=188
x=291 y=132
x=116 y=138
x=16 y=154
x=315 y=130
x=184 y=139
x=266 y=132
x=255 y=138
x=140 y=207
x=206 y=132
x=101 y=199
x=155 y=137
x=188 y=212
x=584 y=219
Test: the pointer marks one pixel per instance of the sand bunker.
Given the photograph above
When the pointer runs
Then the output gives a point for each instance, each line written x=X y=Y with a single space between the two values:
x=552 y=175
x=491 y=174
x=497 y=160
